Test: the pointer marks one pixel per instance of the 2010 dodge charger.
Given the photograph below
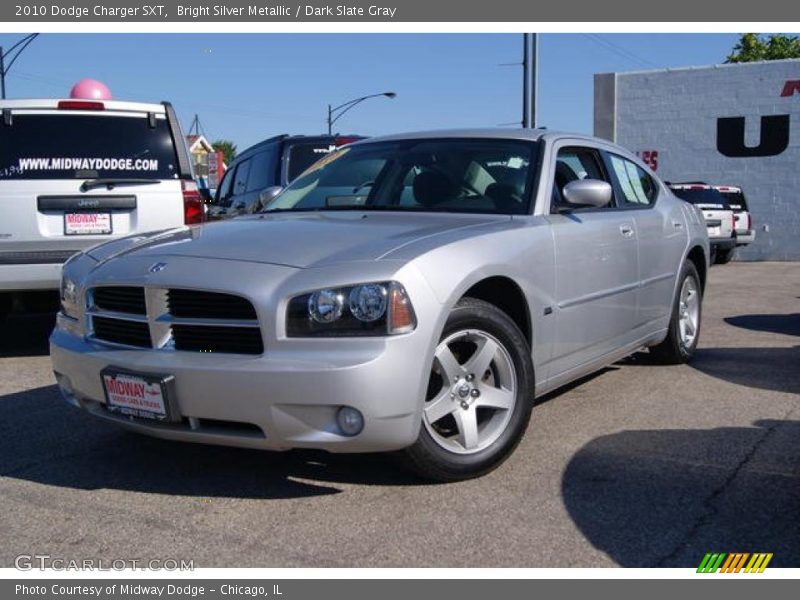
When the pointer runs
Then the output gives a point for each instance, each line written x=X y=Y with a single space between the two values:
x=413 y=292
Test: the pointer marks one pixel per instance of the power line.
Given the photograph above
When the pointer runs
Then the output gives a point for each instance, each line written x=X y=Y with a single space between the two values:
x=619 y=50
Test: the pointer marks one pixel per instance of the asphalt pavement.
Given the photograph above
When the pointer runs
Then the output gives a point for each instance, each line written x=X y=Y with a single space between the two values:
x=636 y=466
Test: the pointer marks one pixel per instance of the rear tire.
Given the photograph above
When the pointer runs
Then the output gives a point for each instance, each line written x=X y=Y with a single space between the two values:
x=723 y=257
x=479 y=399
x=684 y=324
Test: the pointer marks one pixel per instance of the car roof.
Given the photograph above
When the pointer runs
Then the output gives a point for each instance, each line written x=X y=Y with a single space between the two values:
x=488 y=133
x=109 y=105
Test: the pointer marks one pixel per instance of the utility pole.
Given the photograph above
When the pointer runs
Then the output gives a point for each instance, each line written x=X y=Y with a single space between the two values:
x=4 y=69
x=530 y=52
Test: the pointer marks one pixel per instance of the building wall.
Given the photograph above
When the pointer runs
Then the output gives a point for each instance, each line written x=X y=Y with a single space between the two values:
x=727 y=125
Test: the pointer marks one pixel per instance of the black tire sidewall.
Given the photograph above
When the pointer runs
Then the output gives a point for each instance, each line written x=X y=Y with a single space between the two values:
x=688 y=270
x=475 y=314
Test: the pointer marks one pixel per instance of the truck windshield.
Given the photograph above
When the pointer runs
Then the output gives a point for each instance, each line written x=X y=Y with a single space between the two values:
x=449 y=175
x=81 y=146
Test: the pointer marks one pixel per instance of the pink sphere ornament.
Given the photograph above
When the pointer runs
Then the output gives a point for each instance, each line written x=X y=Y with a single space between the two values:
x=90 y=89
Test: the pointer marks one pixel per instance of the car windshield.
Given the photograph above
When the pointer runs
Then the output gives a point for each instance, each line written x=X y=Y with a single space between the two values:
x=452 y=175
x=81 y=146
x=703 y=197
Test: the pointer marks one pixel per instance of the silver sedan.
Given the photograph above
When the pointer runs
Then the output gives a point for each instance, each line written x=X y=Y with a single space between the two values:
x=410 y=293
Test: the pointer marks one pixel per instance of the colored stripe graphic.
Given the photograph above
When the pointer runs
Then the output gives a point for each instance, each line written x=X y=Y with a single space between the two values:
x=734 y=562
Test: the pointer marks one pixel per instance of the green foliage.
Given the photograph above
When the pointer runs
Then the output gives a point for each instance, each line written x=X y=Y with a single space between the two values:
x=228 y=149
x=753 y=47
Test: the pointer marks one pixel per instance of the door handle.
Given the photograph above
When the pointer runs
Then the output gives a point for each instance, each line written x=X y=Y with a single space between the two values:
x=626 y=230
x=677 y=224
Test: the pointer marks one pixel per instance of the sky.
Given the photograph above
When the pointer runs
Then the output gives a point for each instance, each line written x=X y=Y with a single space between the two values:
x=247 y=87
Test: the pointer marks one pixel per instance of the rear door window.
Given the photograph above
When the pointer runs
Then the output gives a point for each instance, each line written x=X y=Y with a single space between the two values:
x=638 y=188
x=241 y=177
x=263 y=169
x=81 y=146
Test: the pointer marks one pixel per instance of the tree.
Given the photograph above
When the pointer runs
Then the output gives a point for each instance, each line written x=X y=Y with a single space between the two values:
x=228 y=149
x=752 y=47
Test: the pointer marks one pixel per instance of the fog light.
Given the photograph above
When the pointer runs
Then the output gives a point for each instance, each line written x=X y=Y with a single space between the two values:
x=350 y=421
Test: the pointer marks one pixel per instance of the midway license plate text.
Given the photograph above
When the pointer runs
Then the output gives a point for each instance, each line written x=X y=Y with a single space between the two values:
x=87 y=223
x=135 y=395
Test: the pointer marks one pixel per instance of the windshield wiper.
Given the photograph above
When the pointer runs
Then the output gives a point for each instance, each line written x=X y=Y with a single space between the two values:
x=111 y=182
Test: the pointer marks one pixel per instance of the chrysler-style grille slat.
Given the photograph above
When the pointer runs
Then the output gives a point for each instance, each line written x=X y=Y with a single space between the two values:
x=208 y=305
x=119 y=331
x=232 y=325
x=120 y=299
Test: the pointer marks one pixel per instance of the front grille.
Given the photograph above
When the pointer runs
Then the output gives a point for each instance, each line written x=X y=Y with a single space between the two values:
x=179 y=319
x=208 y=305
x=121 y=331
x=205 y=338
x=120 y=299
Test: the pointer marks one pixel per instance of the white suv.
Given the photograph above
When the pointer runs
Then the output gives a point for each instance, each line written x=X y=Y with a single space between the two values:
x=717 y=213
x=74 y=173
x=742 y=219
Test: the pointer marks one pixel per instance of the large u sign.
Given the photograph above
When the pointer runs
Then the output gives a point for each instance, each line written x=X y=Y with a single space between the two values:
x=774 y=137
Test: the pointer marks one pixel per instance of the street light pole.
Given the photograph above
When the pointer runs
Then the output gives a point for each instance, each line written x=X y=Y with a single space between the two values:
x=529 y=79
x=343 y=108
x=4 y=69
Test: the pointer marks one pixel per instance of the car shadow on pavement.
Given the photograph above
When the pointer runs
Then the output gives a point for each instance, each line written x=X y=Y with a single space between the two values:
x=665 y=498
x=774 y=369
x=26 y=334
x=784 y=324
x=44 y=440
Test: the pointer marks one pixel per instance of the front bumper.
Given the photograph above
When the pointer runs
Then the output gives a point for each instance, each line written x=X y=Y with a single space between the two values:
x=281 y=400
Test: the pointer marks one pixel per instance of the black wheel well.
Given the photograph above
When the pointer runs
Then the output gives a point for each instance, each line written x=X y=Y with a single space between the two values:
x=506 y=295
x=698 y=257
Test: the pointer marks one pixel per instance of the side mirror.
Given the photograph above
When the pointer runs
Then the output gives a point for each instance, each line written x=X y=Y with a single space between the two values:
x=268 y=195
x=588 y=193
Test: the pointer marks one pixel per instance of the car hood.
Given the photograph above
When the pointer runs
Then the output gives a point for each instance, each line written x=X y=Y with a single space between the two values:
x=297 y=239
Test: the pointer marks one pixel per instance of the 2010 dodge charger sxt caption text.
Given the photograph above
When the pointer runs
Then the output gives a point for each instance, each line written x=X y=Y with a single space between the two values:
x=412 y=292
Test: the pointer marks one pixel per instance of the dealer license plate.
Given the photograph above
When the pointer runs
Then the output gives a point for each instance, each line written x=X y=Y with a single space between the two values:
x=713 y=231
x=87 y=223
x=136 y=395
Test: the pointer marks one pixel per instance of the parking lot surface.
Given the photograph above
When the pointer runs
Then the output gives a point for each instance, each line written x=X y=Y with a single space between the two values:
x=637 y=466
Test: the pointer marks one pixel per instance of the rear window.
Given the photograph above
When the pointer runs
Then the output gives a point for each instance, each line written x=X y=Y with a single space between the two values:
x=303 y=155
x=80 y=146
x=736 y=200
x=705 y=198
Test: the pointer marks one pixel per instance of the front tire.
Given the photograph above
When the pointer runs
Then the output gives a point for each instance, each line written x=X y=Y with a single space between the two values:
x=479 y=398
x=684 y=324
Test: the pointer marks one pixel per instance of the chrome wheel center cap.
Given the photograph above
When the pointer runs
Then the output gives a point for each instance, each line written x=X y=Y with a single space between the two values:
x=463 y=389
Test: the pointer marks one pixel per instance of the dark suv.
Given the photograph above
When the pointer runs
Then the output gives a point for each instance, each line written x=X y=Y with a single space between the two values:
x=256 y=175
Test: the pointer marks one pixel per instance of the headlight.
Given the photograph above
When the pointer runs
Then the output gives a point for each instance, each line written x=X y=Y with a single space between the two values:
x=368 y=309
x=69 y=297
